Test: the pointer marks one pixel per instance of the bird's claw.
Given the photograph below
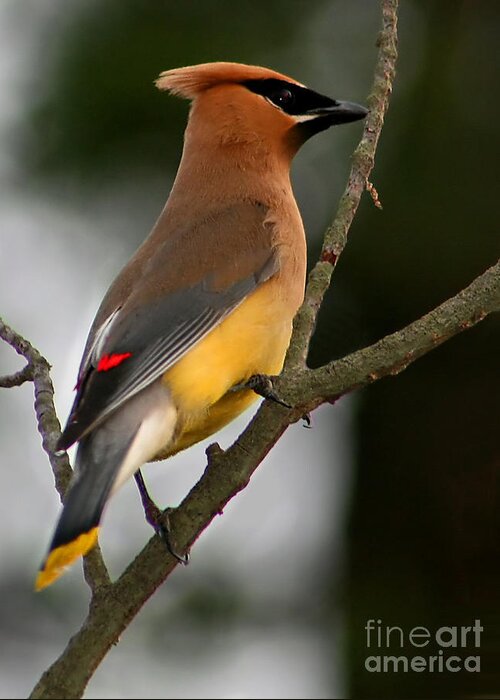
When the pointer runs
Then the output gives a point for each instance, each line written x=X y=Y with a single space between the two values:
x=159 y=520
x=163 y=529
x=263 y=385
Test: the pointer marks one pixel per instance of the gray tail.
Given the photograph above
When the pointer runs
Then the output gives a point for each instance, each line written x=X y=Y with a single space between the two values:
x=98 y=460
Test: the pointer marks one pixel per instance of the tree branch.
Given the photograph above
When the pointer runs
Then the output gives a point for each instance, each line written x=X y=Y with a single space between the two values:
x=229 y=471
x=114 y=605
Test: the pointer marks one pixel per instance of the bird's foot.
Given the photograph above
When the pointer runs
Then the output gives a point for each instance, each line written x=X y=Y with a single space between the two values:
x=263 y=385
x=165 y=532
x=159 y=520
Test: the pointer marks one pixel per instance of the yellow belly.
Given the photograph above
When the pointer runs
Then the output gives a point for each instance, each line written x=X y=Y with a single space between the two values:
x=251 y=340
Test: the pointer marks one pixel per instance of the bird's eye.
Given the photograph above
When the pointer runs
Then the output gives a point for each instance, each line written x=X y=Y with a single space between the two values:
x=283 y=97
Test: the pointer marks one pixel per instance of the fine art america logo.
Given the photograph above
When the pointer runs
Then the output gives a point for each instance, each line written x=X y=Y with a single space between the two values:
x=446 y=649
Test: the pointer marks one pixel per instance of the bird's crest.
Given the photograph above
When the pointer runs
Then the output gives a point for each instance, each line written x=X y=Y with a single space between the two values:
x=190 y=81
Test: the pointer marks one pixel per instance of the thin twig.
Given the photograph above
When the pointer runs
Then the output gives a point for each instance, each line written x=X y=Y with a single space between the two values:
x=335 y=237
x=18 y=378
x=38 y=371
x=96 y=573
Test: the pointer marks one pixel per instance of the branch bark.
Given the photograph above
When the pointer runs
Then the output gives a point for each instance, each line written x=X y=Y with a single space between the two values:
x=114 y=604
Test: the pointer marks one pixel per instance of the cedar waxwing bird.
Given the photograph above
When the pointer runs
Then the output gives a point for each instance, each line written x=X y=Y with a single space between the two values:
x=207 y=301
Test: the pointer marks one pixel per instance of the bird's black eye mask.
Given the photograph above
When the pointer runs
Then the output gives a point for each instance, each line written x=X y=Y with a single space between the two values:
x=291 y=98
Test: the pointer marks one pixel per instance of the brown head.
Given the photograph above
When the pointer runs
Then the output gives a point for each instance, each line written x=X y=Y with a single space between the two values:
x=265 y=112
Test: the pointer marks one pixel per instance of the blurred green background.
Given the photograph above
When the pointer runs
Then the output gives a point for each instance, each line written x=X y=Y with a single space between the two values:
x=408 y=532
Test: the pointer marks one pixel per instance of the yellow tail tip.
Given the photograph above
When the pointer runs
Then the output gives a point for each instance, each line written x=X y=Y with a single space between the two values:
x=60 y=558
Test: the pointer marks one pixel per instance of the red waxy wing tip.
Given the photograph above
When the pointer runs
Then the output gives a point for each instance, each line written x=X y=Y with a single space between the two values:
x=109 y=361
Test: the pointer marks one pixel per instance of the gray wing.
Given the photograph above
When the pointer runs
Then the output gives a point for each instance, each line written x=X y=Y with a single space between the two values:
x=134 y=349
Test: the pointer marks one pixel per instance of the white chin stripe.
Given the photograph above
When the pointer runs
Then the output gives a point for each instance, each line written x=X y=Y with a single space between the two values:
x=296 y=117
x=303 y=117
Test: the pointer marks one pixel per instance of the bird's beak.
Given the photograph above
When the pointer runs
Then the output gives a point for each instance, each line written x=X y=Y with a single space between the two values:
x=340 y=112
